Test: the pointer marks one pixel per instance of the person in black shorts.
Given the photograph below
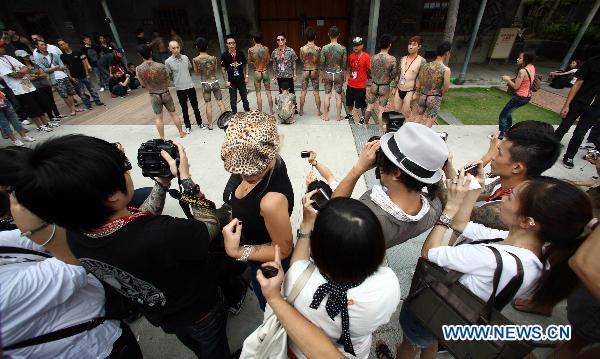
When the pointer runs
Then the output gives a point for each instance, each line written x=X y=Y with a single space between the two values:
x=359 y=67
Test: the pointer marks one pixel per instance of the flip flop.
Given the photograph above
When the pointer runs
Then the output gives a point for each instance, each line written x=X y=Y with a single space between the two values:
x=382 y=351
x=514 y=304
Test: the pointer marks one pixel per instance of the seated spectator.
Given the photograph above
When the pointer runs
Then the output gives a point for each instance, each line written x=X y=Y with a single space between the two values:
x=108 y=237
x=118 y=84
x=133 y=82
x=8 y=118
x=346 y=244
x=286 y=104
x=400 y=204
x=528 y=150
x=533 y=224
x=562 y=79
x=42 y=295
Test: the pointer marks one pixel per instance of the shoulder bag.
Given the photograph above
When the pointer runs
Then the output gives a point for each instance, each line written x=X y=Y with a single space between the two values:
x=436 y=299
x=269 y=340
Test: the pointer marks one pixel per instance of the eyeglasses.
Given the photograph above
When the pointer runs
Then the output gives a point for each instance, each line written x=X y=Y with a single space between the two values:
x=230 y=42
x=280 y=40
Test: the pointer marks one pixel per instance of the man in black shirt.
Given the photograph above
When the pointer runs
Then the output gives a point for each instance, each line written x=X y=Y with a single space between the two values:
x=78 y=69
x=92 y=52
x=232 y=66
x=139 y=37
x=583 y=101
x=159 y=262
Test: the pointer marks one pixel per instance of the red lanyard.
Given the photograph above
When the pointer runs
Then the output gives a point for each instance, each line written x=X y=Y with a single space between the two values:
x=405 y=61
x=233 y=56
x=12 y=67
x=500 y=192
x=357 y=63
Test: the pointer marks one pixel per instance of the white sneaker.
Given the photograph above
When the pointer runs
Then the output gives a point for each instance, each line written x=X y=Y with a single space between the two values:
x=53 y=124
x=18 y=142
x=28 y=139
x=101 y=89
x=187 y=130
x=45 y=128
x=26 y=122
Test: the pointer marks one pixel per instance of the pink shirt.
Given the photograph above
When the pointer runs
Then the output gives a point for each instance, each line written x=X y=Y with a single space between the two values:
x=524 y=89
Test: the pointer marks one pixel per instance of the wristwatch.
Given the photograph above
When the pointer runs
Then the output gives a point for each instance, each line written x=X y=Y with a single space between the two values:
x=444 y=220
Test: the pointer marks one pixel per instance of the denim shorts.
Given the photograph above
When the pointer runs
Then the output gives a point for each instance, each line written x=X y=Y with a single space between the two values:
x=414 y=332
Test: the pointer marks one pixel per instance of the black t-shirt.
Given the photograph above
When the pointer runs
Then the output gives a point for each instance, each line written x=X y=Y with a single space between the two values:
x=161 y=263
x=74 y=62
x=92 y=54
x=231 y=66
x=589 y=72
x=141 y=40
x=105 y=49
x=247 y=209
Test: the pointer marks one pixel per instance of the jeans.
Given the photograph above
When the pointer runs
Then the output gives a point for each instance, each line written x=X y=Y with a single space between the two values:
x=79 y=84
x=8 y=117
x=588 y=117
x=241 y=86
x=104 y=76
x=505 y=120
x=99 y=80
x=207 y=337
x=184 y=96
x=262 y=301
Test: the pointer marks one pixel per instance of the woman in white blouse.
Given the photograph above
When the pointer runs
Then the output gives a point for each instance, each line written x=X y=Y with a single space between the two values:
x=350 y=293
x=542 y=212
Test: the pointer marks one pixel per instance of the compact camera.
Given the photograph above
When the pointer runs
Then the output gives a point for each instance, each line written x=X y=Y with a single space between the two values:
x=150 y=160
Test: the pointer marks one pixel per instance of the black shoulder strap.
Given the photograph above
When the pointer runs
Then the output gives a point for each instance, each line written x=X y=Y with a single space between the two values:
x=512 y=287
x=483 y=241
x=487 y=309
x=57 y=334
x=19 y=250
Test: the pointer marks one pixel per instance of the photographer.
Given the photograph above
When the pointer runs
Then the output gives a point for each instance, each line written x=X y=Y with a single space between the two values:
x=159 y=262
x=403 y=209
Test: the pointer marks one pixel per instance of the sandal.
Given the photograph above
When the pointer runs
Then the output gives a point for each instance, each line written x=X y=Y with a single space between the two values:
x=382 y=351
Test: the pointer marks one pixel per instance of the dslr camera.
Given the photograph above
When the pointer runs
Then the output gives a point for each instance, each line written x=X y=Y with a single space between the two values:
x=150 y=160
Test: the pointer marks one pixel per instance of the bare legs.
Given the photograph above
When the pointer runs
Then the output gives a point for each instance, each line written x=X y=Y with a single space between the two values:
x=406 y=350
x=403 y=105
x=338 y=106
x=325 y=115
x=160 y=125
x=209 y=111
x=317 y=102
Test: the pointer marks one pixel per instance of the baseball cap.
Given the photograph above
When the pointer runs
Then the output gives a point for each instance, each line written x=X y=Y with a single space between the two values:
x=357 y=40
x=21 y=53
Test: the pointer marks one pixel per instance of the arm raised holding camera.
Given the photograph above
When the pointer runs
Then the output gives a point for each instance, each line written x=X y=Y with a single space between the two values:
x=366 y=161
x=205 y=214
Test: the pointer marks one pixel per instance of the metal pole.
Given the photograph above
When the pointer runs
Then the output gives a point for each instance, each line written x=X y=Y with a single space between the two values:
x=225 y=17
x=582 y=30
x=463 y=71
x=373 y=23
x=113 y=28
x=215 y=8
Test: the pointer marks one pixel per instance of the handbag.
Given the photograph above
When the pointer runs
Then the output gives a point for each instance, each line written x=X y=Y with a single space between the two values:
x=436 y=298
x=535 y=83
x=269 y=340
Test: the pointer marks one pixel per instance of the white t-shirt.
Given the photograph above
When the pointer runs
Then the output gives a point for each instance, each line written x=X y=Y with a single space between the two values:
x=478 y=262
x=371 y=304
x=51 y=49
x=19 y=86
x=40 y=296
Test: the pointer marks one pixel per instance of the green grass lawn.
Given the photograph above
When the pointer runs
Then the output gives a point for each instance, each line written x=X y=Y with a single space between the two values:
x=481 y=106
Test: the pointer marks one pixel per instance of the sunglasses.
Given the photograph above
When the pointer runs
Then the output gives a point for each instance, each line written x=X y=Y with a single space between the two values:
x=280 y=39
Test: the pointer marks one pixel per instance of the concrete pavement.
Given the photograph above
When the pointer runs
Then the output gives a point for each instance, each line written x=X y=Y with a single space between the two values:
x=336 y=144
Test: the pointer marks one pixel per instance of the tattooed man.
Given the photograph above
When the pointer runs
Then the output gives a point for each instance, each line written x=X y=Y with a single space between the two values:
x=383 y=72
x=258 y=56
x=332 y=61
x=309 y=55
x=206 y=66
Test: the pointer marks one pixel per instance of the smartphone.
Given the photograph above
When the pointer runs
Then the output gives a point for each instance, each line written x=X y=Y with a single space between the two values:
x=472 y=169
x=269 y=272
x=305 y=154
x=320 y=199
x=373 y=138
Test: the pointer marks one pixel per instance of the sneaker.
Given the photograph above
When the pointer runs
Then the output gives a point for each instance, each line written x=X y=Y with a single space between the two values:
x=61 y=116
x=54 y=123
x=362 y=120
x=568 y=163
x=44 y=128
x=26 y=122
x=588 y=146
x=201 y=125
x=349 y=117
x=187 y=130
x=100 y=104
x=101 y=89
x=28 y=139
x=18 y=142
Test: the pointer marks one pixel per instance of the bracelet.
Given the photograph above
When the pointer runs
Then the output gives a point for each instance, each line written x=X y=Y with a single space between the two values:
x=302 y=235
x=440 y=223
x=51 y=236
x=245 y=253
x=35 y=230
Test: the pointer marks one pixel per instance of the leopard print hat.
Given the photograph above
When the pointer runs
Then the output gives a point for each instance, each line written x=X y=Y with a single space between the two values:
x=251 y=143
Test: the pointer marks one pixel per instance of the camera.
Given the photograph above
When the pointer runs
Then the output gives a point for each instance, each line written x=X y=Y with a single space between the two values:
x=393 y=120
x=305 y=154
x=377 y=174
x=150 y=160
x=472 y=169
x=320 y=199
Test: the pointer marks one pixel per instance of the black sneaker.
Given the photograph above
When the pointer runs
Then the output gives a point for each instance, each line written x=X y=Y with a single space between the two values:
x=100 y=104
x=362 y=120
x=349 y=117
x=568 y=163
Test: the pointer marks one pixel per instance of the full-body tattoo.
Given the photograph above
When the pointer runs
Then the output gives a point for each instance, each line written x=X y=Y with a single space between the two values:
x=383 y=71
x=258 y=56
x=309 y=55
x=206 y=66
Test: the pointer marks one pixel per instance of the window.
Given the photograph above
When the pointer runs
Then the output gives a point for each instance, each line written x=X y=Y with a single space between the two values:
x=434 y=15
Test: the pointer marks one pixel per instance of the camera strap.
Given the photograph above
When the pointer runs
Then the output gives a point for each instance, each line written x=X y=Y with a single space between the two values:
x=185 y=201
